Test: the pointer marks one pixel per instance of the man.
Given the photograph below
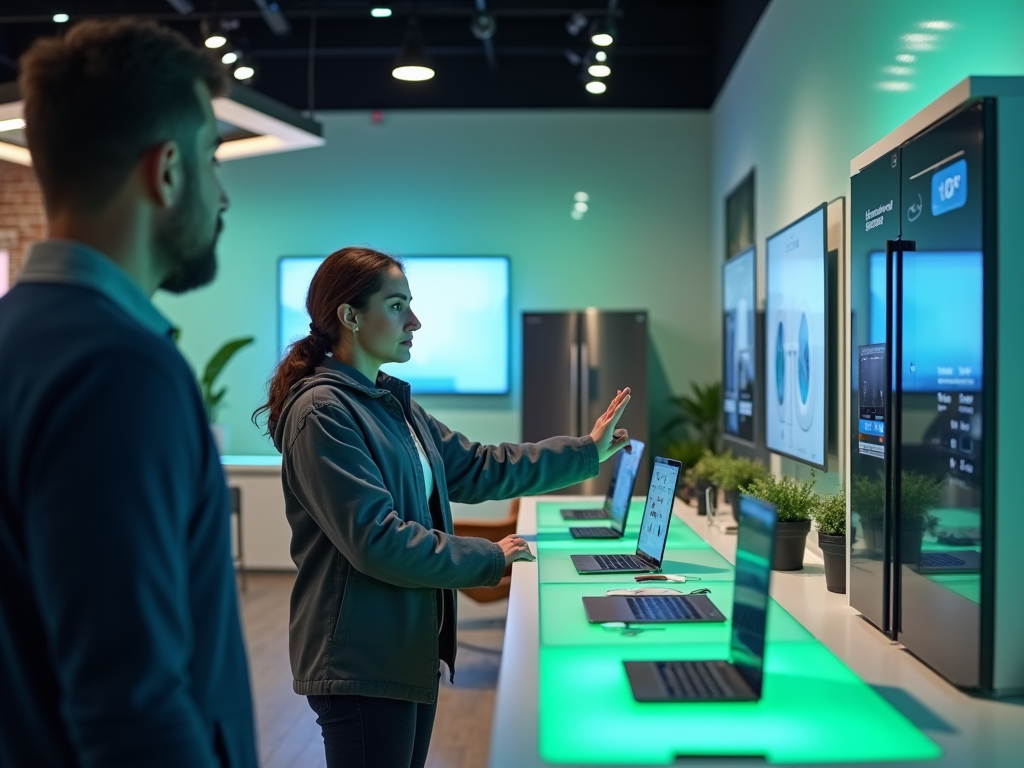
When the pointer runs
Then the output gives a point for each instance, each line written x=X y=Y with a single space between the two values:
x=120 y=642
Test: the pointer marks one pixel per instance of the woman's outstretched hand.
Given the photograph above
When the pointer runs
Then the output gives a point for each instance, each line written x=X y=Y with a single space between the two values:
x=607 y=438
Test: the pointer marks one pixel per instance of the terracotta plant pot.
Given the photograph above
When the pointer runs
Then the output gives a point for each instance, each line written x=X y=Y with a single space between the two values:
x=833 y=549
x=790 y=542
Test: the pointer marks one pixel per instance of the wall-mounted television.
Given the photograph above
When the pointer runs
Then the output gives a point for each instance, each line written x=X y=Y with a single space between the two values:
x=796 y=333
x=464 y=307
x=739 y=342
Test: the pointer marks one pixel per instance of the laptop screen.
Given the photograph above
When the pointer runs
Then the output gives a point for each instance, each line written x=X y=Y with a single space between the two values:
x=658 y=511
x=621 y=488
x=753 y=575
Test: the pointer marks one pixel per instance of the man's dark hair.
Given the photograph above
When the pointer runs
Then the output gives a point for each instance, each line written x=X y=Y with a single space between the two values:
x=99 y=97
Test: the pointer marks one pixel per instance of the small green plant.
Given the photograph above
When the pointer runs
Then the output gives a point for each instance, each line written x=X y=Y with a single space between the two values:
x=918 y=496
x=867 y=496
x=213 y=398
x=792 y=499
x=829 y=513
x=700 y=413
x=686 y=452
x=731 y=473
x=704 y=470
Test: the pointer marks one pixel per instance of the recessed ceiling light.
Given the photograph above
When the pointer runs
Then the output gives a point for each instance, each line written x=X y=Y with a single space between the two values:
x=596 y=86
x=601 y=56
x=938 y=24
x=899 y=71
x=380 y=13
x=581 y=197
x=603 y=39
x=581 y=206
x=412 y=74
x=60 y=18
x=229 y=58
x=14 y=124
x=244 y=72
x=216 y=41
x=906 y=58
x=576 y=214
x=895 y=85
x=599 y=70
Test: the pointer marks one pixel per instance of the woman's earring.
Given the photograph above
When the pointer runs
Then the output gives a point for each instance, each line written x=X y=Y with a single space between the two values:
x=356 y=329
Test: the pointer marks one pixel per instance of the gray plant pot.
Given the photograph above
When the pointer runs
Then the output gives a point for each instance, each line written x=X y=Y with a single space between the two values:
x=833 y=549
x=702 y=486
x=732 y=498
x=790 y=542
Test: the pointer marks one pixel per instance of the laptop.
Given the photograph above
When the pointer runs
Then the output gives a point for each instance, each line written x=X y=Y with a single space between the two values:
x=624 y=462
x=741 y=677
x=619 y=492
x=650 y=548
x=651 y=609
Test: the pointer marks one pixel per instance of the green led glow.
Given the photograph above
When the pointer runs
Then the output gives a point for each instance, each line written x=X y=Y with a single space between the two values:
x=814 y=709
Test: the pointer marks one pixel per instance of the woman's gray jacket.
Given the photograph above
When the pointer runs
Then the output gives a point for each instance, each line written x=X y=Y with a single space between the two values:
x=373 y=607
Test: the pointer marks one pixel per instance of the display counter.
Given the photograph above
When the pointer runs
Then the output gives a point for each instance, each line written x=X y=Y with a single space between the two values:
x=836 y=690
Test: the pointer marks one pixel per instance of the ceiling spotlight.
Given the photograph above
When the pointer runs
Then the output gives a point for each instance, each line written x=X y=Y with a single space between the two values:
x=244 y=72
x=596 y=86
x=906 y=58
x=601 y=56
x=230 y=57
x=581 y=206
x=60 y=18
x=484 y=26
x=581 y=197
x=599 y=70
x=576 y=214
x=412 y=63
x=576 y=24
x=216 y=40
x=380 y=13
x=603 y=39
x=14 y=124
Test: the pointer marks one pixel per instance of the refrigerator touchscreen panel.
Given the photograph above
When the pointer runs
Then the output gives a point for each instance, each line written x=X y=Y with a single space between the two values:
x=795 y=333
x=739 y=374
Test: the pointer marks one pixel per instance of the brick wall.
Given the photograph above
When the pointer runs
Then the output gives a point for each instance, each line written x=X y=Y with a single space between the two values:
x=22 y=218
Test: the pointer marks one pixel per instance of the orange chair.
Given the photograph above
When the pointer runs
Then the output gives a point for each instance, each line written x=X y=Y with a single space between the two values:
x=492 y=530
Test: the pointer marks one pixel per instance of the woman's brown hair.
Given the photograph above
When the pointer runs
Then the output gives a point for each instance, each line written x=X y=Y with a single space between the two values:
x=349 y=276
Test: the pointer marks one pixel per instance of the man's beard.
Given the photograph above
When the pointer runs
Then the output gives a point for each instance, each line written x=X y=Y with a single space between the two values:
x=182 y=243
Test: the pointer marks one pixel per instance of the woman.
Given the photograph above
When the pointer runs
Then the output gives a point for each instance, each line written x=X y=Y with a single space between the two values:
x=368 y=476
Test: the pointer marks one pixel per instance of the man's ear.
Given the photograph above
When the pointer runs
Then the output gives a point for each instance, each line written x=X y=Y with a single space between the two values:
x=164 y=174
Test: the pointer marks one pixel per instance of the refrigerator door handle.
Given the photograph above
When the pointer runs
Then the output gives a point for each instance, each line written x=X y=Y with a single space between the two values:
x=584 y=386
x=891 y=247
x=574 y=388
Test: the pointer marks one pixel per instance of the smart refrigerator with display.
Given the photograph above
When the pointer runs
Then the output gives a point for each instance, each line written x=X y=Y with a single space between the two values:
x=463 y=305
x=796 y=350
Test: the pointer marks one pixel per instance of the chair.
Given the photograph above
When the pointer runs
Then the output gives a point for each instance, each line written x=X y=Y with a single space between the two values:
x=492 y=530
x=236 y=518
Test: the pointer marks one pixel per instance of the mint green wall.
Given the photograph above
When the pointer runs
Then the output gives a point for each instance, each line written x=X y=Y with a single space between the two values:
x=813 y=89
x=473 y=182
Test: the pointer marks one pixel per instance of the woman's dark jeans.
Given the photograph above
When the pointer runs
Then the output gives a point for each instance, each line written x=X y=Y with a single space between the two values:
x=370 y=732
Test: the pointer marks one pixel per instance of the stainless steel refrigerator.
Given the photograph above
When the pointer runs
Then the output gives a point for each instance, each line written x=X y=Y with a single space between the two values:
x=935 y=431
x=573 y=364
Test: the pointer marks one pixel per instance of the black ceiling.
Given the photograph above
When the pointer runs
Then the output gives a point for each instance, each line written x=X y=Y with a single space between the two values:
x=667 y=53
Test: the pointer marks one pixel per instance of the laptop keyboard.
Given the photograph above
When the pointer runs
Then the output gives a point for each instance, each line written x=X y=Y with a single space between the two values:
x=662 y=608
x=700 y=680
x=618 y=562
x=940 y=560
x=589 y=514
x=593 y=533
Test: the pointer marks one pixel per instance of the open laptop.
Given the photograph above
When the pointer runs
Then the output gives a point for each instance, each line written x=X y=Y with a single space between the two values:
x=619 y=492
x=740 y=678
x=604 y=512
x=650 y=548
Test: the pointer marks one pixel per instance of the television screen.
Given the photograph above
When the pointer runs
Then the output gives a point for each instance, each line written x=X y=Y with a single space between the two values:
x=795 y=333
x=739 y=378
x=462 y=303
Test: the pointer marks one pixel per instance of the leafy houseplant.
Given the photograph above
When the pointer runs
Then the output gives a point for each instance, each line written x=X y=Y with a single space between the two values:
x=731 y=473
x=700 y=414
x=213 y=397
x=794 y=502
x=829 y=515
x=919 y=494
x=700 y=477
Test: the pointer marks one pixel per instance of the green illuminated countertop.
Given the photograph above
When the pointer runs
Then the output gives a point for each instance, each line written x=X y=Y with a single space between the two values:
x=814 y=708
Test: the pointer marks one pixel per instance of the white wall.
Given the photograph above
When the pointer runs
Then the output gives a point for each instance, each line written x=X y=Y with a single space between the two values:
x=460 y=183
x=814 y=87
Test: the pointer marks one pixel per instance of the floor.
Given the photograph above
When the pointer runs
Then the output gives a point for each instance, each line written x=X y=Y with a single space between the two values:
x=287 y=731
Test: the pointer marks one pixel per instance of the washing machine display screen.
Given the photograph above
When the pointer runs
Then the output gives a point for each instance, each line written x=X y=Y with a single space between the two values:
x=796 y=324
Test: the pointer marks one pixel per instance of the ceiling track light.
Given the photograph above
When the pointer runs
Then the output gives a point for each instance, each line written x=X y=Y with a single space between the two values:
x=413 y=64
x=61 y=18
x=596 y=87
x=243 y=70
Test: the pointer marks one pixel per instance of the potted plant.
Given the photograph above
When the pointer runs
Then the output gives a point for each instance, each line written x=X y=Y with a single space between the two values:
x=829 y=514
x=213 y=398
x=793 y=501
x=700 y=478
x=731 y=473
x=700 y=413
x=918 y=496
x=867 y=499
x=687 y=453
